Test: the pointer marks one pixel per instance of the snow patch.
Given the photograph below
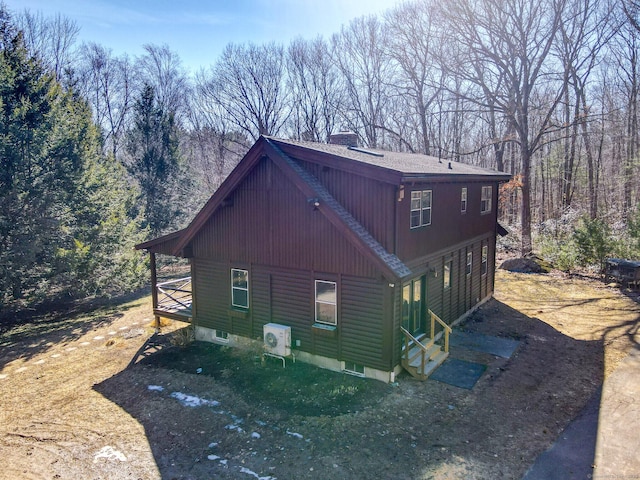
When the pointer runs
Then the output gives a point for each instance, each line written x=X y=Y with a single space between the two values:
x=213 y=457
x=155 y=388
x=193 y=401
x=294 y=434
x=255 y=435
x=254 y=474
x=109 y=453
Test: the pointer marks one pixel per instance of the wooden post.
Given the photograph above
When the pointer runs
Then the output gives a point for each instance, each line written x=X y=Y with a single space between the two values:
x=154 y=289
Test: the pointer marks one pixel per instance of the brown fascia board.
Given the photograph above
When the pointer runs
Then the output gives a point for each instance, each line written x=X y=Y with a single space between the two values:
x=334 y=218
x=439 y=178
x=236 y=176
x=158 y=240
x=340 y=163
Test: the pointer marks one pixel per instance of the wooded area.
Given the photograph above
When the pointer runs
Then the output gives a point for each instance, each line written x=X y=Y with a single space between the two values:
x=100 y=151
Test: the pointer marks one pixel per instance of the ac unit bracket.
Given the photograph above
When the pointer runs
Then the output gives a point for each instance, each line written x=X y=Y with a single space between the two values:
x=281 y=357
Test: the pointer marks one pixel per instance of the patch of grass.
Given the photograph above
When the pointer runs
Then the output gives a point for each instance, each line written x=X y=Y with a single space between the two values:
x=298 y=389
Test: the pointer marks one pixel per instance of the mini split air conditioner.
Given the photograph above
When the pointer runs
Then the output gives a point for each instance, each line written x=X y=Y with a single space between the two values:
x=277 y=339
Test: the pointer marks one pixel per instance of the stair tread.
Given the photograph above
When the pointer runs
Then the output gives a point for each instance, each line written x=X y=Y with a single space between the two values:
x=415 y=357
x=433 y=364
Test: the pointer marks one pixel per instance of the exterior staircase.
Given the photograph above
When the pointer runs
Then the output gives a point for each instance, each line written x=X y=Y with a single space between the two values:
x=421 y=356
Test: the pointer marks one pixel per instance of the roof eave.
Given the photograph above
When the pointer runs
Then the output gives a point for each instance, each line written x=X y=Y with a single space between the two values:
x=458 y=177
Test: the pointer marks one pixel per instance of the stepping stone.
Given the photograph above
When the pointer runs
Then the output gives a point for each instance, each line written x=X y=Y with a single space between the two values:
x=22 y=369
x=3 y=376
x=39 y=362
x=99 y=337
x=56 y=355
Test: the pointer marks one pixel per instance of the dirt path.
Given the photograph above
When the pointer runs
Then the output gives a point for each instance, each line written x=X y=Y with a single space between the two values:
x=70 y=407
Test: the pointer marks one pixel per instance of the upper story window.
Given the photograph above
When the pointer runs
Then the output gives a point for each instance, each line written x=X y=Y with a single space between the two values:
x=485 y=200
x=463 y=200
x=469 y=263
x=326 y=302
x=239 y=288
x=421 y=208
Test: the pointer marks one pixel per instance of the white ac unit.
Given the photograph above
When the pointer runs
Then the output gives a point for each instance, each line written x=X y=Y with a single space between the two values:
x=277 y=339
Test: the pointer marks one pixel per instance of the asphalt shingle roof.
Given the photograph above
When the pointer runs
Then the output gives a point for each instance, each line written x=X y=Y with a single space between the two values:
x=405 y=164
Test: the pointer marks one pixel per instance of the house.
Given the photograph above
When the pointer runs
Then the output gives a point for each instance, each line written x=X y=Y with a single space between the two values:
x=366 y=257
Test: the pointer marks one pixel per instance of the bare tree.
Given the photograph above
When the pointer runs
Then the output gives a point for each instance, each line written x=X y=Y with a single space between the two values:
x=248 y=82
x=52 y=39
x=626 y=55
x=107 y=82
x=162 y=68
x=512 y=42
x=316 y=92
x=359 y=50
x=414 y=45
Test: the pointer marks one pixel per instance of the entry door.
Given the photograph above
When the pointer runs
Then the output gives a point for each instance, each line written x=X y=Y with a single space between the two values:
x=413 y=306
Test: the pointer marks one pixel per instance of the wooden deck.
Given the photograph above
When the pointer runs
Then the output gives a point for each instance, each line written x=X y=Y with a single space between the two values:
x=174 y=300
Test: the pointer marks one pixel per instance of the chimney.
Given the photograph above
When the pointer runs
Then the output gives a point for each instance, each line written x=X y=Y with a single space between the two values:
x=348 y=139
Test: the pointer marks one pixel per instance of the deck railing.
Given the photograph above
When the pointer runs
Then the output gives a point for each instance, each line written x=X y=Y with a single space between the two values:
x=446 y=328
x=174 y=295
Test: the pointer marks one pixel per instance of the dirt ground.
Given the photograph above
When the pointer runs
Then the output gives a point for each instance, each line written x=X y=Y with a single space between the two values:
x=94 y=395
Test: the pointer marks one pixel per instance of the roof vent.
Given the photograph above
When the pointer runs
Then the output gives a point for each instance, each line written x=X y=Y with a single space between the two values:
x=348 y=139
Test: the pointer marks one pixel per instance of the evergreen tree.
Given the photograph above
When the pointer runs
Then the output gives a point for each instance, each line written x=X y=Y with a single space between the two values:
x=152 y=144
x=66 y=222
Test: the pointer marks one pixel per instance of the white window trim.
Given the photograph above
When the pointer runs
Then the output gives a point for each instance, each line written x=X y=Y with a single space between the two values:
x=335 y=304
x=421 y=209
x=486 y=201
x=234 y=288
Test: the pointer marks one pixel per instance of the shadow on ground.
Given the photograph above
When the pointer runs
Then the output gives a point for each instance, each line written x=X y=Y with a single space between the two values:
x=26 y=334
x=264 y=421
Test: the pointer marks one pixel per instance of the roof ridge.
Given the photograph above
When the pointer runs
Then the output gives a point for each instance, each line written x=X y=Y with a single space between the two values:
x=396 y=265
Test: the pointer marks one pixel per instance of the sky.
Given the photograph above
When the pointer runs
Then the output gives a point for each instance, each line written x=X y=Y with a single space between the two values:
x=199 y=30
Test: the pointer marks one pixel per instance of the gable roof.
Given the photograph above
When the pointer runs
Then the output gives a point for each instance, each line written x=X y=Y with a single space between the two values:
x=392 y=167
x=386 y=166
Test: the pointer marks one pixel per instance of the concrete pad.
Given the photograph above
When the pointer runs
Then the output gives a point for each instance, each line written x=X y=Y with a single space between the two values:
x=501 y=347
x=618 y=441
x=459 y=373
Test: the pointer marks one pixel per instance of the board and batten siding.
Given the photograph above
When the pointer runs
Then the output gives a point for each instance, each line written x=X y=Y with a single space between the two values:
x=449 y=225
x=365 y=322
x=370 y=201
x=211 y=293
x=268 y=221
x=364 y=331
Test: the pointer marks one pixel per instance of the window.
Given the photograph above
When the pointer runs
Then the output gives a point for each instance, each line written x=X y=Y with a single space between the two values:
x=239 y=288
x=463 y=200
x=469 y=262
x=446 y=278
x=413 y=306
x=354 y=368
x=221 y=335
x=485 y=200
x=421 y=208
x=485 y=254
x=326 y=304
